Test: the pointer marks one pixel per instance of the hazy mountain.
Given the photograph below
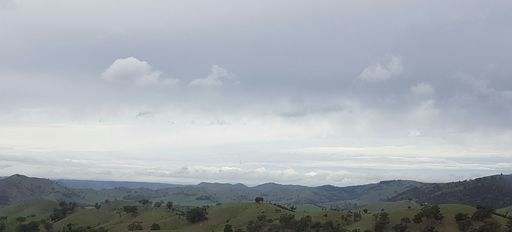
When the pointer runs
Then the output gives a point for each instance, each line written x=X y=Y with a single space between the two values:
x=494 y=191
x=99 y=185
x=491 y=191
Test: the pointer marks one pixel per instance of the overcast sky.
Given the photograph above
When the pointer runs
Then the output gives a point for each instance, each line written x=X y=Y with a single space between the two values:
x=289 y=91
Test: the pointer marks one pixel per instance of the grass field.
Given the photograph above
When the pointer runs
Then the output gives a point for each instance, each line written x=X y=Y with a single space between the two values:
x=236 y=214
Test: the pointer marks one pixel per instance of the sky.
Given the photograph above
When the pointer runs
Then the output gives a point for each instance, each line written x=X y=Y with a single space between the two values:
x=289 y=91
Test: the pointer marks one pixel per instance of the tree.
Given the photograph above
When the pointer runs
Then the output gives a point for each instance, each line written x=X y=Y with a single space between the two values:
x=62 y=211
x=463 y=221
x=21 y=219
x=489 y=225
x=157 y=204
x=258 y=199
x=47 y=225
x=417 y=218
x=135 y=226
x=131 y=209
x=405 y=220
x=97 y=206
x=400 y=227
x=287 y=221
x=29 y=227
x=431 y=212
x=155 y=226
x=481 y=214
x=430 y=229
x=3 y=224
x=228 y=228
x=381 y=222
x=508 y=226
x=196 y=214
x=304 y=223
x=145 y=202
x=170 y=206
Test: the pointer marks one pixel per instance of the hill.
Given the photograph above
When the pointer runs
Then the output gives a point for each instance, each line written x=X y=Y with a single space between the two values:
x=19 y=188
x=491 y=191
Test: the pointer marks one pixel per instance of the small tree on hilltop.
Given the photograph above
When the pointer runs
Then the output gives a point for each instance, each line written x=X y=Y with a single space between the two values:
x=258 y=199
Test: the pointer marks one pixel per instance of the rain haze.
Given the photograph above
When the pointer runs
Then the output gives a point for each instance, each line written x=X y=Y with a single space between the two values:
x=288 y=91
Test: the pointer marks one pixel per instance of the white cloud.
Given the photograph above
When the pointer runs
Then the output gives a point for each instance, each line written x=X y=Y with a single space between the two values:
x=382 y=71
x=133 y=70
x=422 y=89
x=218 y=76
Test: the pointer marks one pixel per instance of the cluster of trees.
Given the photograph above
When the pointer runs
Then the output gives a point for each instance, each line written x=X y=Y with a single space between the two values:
x=480 y=221
x=62 y=211
x=70 y=227
x=287 y=222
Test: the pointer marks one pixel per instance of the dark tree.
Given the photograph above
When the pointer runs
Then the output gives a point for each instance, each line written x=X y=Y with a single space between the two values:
x=381 y=222
x=508 y=226
x=155 y=226
x=405 y=220
x=21 y=219
x=135 y=226
x=287 y=221
x=228 y=228
x=400 y=227
x=169 y=205
x=418 y=218
x=196 y=214
x=157 y=204
x=481 y=214
x=29 y=227
x=3 y=224
x=97 y=206
x=144 y=202
x=131 y=209
x=463 y=221
x=258 y=199
x=430 y=229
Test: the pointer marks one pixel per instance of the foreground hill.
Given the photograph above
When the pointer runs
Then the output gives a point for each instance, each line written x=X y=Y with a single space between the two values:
x=491 y=191
x=246 y=216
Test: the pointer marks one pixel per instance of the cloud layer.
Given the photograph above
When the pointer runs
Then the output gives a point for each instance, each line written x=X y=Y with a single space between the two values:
x=252 y=91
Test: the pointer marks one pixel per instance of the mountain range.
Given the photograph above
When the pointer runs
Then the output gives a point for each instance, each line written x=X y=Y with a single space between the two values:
x=492 y=191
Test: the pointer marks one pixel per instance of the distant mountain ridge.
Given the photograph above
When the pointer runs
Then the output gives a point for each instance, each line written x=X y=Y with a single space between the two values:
x=493 y=191
x=490 y=191
x=102 y=184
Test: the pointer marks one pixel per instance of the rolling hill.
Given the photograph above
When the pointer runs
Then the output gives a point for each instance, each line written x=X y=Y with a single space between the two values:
x=491 y=191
